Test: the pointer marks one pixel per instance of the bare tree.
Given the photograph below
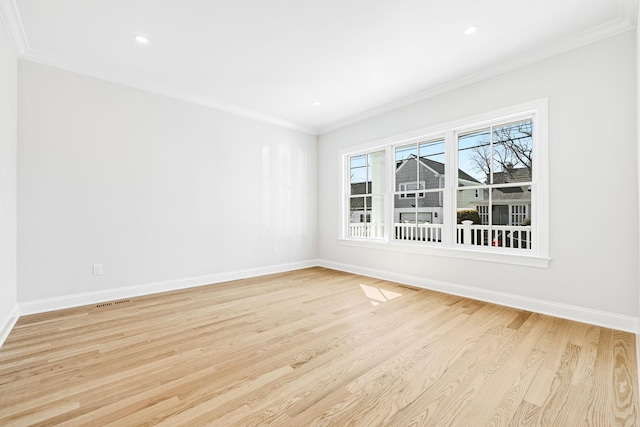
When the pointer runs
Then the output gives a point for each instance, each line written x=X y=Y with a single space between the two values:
x=512 y=150
x=518 y=142
x=481 y=158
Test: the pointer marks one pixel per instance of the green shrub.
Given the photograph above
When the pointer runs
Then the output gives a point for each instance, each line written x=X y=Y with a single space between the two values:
x=470 y=214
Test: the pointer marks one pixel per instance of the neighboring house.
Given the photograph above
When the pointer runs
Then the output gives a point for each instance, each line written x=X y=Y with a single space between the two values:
x=358 y=213
x=510 y=205
x=415 y=173
x=430 y=175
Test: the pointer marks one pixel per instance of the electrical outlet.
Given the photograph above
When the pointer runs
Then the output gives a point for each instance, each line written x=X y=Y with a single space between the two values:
x=97 y=269
x=275 y=250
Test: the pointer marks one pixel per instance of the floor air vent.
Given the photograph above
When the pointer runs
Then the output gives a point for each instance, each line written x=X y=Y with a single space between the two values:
x=109 y=304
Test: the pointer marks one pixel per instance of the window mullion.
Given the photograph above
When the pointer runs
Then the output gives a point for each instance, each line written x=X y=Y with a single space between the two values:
x=449 y=191
x=388 y=194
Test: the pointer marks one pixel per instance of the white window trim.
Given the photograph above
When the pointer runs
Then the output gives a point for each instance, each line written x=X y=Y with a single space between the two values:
x=540 y=200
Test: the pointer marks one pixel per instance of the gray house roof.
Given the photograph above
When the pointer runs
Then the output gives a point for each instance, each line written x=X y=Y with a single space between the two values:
x=513 y=194
x=512 y=175
x=436 y=167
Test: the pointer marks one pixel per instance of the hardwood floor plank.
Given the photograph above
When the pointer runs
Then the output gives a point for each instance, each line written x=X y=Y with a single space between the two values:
x=433 y=356
x=556 y=403
x=526 y=415
x=313 y=347
x=383 y=385
x=450 y=396
x=600 y=409
x=556 y=342
x=514 y=374
x=41 y=415
x=624 y=400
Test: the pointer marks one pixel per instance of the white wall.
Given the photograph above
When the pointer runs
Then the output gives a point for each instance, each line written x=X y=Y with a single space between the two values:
x=8 y=141
x=152 y=188
x=593 y=162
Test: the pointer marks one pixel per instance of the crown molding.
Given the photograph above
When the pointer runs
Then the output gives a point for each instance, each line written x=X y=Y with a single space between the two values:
x=148 y=86
x=11 y=17
x=626 y=21
x=628 y=11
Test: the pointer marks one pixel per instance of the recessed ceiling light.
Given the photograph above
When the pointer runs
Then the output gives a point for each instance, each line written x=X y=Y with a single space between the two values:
x=470 y=30
x=140 y=39
x=317 y=103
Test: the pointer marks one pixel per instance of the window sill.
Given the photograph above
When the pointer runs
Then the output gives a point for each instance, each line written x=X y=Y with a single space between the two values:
x=527 y=260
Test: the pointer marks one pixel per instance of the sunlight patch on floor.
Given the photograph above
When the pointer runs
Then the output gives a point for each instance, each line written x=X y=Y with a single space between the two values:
x=378 y=295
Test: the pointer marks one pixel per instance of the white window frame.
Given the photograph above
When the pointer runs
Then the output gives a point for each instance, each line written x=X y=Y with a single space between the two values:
x=347 y=192
x=537 y=257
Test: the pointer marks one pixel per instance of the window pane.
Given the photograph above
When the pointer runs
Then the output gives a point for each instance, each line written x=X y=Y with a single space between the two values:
x=418 y=217
x=508 y=211
x=367 y=178
x=404 y=217
x=432 y=167
x=406 y=152
x=357 y=217
x=366 y=216
x=406 y=168
x=511 y=217
x=471 y=217
x=358 y=174
x=470 y=199
x=513 y=152
x=511 y=205
x=474 y=158
x=367 y=173
x=429 y=217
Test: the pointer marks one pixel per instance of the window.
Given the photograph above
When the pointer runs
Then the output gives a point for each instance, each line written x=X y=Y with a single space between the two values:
x=419 y=166
x=366 y=194
x=478 y=185
x=498 y=161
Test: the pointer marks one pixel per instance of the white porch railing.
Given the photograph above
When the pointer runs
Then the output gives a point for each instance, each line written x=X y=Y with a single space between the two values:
x=366 y=229
x=505 y=236
x=402 y=231
x=423 y=232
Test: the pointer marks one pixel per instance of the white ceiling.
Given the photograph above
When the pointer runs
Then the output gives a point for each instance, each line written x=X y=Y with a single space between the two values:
x=272 y=59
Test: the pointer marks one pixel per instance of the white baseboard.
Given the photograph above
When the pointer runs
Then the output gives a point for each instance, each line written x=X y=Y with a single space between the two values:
x=565 y=311
x=76 y=300
x=7 y=324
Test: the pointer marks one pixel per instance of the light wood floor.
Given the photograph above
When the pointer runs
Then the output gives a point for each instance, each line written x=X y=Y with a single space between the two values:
x=313 y=347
